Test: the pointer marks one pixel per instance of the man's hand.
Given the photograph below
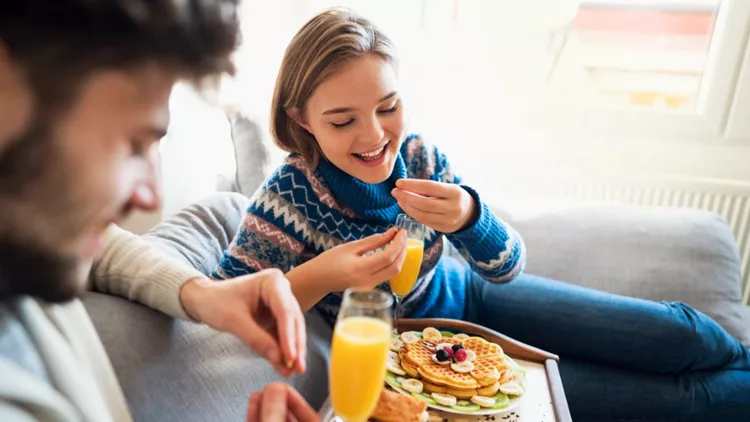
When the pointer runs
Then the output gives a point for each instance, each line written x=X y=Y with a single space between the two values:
x=259 y=308
x=279 y=403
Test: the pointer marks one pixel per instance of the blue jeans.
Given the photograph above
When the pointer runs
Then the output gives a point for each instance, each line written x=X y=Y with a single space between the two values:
x=621 y=359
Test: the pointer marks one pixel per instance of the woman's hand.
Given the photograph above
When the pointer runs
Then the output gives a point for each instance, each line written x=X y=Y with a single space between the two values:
x=279 y=402
x=352 y=264
x=444 y=207
x=258 y=308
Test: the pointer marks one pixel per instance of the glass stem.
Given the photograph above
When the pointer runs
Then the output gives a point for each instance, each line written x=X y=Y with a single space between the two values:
x=396 y=313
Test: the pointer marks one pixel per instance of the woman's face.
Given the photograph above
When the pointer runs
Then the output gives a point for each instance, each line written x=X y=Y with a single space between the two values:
x=358 y=119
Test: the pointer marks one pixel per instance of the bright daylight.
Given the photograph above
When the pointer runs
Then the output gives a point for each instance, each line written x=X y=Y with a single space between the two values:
x=375 y=211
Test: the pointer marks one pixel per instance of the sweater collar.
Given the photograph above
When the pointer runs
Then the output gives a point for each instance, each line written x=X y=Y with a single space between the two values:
x=367 y=200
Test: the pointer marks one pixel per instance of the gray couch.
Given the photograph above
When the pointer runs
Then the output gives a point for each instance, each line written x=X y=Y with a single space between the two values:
x=180 y=371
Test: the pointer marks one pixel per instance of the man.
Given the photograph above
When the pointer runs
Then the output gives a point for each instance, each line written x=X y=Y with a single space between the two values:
x=84 y=88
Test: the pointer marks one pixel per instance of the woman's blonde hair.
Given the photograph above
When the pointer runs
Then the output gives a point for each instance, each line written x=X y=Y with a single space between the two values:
x=325 y=43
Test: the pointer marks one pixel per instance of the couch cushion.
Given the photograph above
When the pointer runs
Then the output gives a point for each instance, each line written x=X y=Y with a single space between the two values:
x=173 y=370
x=250 y=153
x=651 y=253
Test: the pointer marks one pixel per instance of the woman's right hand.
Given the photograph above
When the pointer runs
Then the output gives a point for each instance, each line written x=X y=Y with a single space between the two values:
x=352 y=264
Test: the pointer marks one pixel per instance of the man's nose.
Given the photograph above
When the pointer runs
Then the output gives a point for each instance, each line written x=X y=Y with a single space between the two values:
x=145 y=197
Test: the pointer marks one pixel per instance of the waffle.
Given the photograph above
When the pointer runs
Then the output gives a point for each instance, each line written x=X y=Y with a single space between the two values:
x=491 y=368
x=489 y=391
x=444 y=375
x=462 y=394
x=482 y=347
x=433 y=388
x=485 y=372
x=411 y=370
x=499 y=362
x=417 y=353
x=433 y=344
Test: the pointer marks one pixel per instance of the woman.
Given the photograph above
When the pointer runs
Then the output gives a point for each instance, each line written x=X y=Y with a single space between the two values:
x=352 y=169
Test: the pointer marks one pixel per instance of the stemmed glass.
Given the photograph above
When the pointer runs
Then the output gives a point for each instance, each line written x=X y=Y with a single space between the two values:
x=403 y=283
x=361 y=340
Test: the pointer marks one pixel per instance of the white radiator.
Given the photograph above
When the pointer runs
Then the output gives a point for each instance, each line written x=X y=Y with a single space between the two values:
x=729 y=199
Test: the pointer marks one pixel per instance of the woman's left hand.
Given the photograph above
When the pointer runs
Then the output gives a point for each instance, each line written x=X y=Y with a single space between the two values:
x=444 y=207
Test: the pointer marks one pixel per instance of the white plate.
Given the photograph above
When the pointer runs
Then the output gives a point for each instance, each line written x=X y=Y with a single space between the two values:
x=515 y=401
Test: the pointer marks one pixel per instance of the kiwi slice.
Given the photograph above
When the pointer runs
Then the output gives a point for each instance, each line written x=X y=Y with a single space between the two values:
x=466 y=406
x=447 y=334
x=501 y=401
x=425 y=398
x=391 y=380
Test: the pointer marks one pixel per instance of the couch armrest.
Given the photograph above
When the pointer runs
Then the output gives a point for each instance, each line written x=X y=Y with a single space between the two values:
x=199 y=233
x=651 y=253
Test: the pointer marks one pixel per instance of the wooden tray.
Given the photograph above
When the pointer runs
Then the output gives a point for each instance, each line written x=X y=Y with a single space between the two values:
x=513 y=348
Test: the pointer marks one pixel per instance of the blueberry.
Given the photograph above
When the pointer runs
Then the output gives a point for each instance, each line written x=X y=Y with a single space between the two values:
x=442 y=355
x=457 y=347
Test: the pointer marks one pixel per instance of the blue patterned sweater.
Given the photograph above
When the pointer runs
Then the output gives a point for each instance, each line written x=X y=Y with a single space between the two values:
x=300 y=212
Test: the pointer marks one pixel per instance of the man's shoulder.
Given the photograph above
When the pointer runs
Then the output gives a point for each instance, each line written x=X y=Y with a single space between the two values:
x=25 y=387
x=61 y=339
x=16 y=341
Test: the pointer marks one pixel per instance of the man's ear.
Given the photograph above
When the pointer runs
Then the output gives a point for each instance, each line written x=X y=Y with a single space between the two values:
x=295 y=114
x=15 y=99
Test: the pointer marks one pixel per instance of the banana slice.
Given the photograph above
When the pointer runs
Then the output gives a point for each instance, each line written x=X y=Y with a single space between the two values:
x=435 y=359
x=462 y=367
x=431 y=334
x=413 y=386
x=393 y=356
x=396 y=345
x=483 y=401
x=409 y=337
x=444 y=399
x=394 y=368
x=516 y=377
x=470 y=356
x=400 y=380
x=511 y=389
x=461 y=337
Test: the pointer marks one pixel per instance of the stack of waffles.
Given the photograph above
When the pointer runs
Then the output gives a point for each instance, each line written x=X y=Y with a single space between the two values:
x=483 y=380
x=481 y=372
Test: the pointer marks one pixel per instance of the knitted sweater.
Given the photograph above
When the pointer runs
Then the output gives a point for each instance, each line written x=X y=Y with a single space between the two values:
x=300 y=212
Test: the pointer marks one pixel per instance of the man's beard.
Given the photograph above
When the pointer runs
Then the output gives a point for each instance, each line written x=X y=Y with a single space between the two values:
x=27 y=265
x=27 y=270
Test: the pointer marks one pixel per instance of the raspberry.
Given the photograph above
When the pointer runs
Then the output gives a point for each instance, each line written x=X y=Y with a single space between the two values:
x=460 y=355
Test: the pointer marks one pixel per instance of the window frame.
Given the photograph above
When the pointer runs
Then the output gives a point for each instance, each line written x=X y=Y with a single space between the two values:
x=721 y=76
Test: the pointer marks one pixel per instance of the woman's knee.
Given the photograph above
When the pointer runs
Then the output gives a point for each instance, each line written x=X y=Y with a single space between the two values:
x=702 y=340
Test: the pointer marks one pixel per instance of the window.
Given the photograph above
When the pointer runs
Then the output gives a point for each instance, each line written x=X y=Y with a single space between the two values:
x=663 y=68
x=643 y=54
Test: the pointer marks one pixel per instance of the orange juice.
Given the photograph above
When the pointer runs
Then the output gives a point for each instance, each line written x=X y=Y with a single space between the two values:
x=404 y=281
x=358 y=356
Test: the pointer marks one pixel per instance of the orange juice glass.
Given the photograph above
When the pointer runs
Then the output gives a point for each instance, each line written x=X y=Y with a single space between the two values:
x=403 y=283
x=359 y=351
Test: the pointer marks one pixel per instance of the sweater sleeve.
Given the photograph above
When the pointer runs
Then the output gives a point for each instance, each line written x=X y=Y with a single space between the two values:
x=133 y=268
x=272 y=234
x=491 y=246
